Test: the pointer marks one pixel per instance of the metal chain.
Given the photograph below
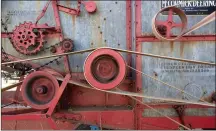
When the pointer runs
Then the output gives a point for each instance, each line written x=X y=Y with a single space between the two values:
x=43 y=50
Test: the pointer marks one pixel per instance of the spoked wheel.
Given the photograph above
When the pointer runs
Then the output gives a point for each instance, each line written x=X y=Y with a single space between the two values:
x=162 y=29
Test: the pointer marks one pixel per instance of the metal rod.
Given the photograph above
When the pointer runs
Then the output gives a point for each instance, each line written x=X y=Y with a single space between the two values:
x=120 y=50
x=164 y=57
x=165 y=83
x=45 y=57
x=137 y=94
x=7 y=105
x=11 y=86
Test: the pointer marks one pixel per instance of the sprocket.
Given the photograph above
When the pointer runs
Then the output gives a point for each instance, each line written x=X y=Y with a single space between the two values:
x=26 y=39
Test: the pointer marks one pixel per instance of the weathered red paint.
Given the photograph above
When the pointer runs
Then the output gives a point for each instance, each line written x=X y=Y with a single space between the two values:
x=163 y=29
x=129 y=32
x=68 y=10
x=90 y=6
x=38 y=89
x=104 y=68
x=161 y=123
x=113 y=118
x=58 y=95
x=184 y=38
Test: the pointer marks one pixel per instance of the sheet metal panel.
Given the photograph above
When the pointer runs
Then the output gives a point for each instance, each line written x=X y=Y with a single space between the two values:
x=195 y=79
x=106 y=27
x=198 y=80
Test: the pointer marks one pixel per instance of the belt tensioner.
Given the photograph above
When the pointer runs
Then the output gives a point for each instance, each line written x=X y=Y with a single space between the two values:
x=104 y=68
x=162 y=29
x=38 y=89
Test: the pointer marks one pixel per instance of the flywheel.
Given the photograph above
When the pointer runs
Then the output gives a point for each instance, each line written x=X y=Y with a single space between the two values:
x=38 y=89
x=104 y=68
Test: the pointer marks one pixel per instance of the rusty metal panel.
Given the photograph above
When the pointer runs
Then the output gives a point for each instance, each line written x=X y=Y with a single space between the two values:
x=87 y=30
x=150 y=8
x=195 y=79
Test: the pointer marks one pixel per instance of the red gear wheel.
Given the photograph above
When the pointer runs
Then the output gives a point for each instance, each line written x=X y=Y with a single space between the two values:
x=26 y=39
x=67 y=45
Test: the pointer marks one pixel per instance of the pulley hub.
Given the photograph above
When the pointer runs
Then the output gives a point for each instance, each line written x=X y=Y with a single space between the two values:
x=67 y=45
x=104 y=68
x=38 y=89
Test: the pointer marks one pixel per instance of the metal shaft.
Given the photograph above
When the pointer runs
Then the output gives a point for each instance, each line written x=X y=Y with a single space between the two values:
x=11 y=86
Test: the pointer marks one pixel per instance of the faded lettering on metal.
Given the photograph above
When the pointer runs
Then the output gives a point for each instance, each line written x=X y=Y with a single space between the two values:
x=191 y=7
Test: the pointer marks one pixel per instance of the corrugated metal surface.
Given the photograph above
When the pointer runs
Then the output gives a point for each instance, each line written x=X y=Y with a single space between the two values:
x=198 y=80
x=192 y=78
x=87 y=30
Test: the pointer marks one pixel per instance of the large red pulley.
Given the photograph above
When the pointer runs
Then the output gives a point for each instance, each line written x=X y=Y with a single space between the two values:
x=38 y=89
x=104 y=68
x=162 y=29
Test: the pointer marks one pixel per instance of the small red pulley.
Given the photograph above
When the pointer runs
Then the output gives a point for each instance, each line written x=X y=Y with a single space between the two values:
x=104 y=68
x=38 y=89
x=90 y=6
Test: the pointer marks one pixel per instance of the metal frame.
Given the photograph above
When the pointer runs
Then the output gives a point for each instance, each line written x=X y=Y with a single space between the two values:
x=195 y=121
x=121 y=119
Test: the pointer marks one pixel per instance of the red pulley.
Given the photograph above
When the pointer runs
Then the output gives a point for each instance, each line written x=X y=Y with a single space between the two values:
x=162 y=29
x=104 y=68
x=38 y=89
x=90 y=6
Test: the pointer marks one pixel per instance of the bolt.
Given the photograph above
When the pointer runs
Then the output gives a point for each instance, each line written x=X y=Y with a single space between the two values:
x=41 y=90
x=67 y=45
x=53 y=49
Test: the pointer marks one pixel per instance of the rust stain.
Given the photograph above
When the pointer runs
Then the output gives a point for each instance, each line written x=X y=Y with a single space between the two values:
x=38 y=4
x=68 y=3
x=73 y=26
x=182 y=49
x=171 y=45
x=73 y=20
x=96 y=28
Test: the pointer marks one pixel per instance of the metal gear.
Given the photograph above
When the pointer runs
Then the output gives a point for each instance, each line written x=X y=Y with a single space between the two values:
x=26 y=39
x=67 y=45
